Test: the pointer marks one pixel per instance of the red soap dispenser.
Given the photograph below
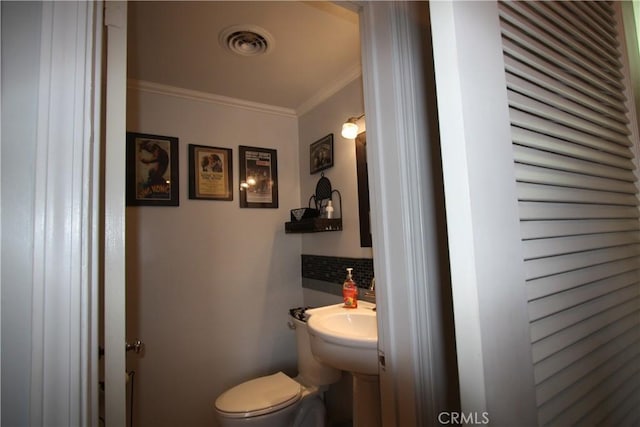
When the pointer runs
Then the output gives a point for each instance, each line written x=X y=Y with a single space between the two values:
x=350 y=291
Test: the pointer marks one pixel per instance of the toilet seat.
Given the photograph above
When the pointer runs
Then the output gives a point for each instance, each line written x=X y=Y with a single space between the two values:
x=259 y=396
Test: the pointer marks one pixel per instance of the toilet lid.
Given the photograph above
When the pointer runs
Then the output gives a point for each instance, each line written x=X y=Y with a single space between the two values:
x=259 y=396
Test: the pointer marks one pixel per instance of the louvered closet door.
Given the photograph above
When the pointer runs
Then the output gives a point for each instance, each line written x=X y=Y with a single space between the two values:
x=578 y=209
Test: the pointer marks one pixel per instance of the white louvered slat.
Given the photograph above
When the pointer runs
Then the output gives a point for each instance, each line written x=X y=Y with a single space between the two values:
x=622 y=334
x=547 y=193
x=606 y=9
x=562 y=102
x=540 y=109
x=607 y=380
x=530 y=211
x=545 y=54
x=536 y=175
x=604 y=24
x=555 y=48
x=543 y=267
x=625 y=391
x=534 y=166
x=552 y=247
x=556 y=303
x=578 y=204
x=580 y=14
x=527 y=121
x=548 y=144
x=517 y=68
x=625 y=413
x=558 y=228
x=564 y=19
x=559 y=49
x=603 y=14
x=549 y=285
x=554 y=382
x=560 y=37
x=553 y=69
x=581 y=397
x=585 y=319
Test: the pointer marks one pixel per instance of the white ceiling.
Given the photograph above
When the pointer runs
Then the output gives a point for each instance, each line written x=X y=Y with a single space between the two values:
x=316 y=49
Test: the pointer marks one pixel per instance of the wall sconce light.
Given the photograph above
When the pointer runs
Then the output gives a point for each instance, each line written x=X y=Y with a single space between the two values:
x=350 y=127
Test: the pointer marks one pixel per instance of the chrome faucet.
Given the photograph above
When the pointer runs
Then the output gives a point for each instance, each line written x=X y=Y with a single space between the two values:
x=370 y=294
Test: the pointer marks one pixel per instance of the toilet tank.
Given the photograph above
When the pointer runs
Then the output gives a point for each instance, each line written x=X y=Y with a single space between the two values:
x=309 y=369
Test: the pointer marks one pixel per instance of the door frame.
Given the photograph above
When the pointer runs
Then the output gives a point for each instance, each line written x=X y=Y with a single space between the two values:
x=114 y=214
x=66 y=239
x=415 y=335
x=403 y=214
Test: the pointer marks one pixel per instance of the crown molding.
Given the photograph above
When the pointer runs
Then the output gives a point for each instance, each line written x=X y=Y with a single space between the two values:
x=329 y=90
x=194 y=95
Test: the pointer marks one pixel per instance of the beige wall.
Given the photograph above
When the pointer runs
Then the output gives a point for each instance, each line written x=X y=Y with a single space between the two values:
x=209 y=285
x=322 y=120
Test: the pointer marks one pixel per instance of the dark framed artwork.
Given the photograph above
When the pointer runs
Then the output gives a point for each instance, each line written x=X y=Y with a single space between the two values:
x=258 y=177
x=321 y=154
x=210 y=173
x=152 y=170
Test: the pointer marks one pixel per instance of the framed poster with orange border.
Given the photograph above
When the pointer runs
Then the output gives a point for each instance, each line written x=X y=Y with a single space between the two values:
x=210 y=173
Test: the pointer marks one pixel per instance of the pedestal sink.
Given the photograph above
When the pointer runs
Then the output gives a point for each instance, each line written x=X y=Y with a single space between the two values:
x=347 y=339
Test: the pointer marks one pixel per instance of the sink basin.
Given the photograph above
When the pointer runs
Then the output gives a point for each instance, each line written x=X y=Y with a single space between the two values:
x=345 y=338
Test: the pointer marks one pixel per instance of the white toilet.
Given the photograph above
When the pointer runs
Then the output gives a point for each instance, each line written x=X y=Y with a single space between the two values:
x=278 y=400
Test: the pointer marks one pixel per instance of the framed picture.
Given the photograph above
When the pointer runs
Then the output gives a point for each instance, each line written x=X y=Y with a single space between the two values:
x=210 y=173
x=152 y=170
x=258 y=177
x=321 y=154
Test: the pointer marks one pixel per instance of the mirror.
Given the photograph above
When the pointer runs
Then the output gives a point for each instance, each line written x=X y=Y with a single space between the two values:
x=363 y=190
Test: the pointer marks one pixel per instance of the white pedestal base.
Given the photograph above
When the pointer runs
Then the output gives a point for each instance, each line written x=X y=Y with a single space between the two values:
x=366 y=401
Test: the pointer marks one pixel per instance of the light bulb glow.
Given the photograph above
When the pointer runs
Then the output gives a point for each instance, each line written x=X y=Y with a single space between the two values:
x=349 y=130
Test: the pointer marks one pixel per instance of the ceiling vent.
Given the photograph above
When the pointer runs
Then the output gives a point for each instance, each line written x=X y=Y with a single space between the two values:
x=246 y=40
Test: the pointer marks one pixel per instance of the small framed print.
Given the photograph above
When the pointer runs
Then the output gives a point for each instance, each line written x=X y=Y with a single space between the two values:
x=210 y=173
x=258 y=177
x=152 y=170
x=321 y=154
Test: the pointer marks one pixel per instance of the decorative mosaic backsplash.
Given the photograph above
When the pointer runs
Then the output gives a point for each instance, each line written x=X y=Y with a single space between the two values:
x=334 y=269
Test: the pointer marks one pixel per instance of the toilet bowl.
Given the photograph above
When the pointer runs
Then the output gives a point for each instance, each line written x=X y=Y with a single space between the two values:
x=278 y=400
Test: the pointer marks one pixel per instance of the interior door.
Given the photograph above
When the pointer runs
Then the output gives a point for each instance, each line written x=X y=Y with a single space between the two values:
x=114 y=205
